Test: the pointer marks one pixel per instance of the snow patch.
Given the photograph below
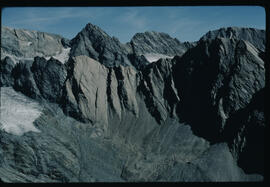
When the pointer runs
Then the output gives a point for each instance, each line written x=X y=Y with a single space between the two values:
x=63 y=56
x=253 y=50
x=153 y=57
x=18 y=112
x=96 y=133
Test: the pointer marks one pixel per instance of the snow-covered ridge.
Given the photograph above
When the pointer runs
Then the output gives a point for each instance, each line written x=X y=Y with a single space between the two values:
x=153 y=57
x=18 y=112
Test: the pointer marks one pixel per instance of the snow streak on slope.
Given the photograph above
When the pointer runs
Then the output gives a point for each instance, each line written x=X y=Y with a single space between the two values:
x=18 y=112
x=255 y=52
x=153 y=57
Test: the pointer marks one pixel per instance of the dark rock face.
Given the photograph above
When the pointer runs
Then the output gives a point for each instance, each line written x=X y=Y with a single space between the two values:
x=41 y=79
x=154 y=42
x=50 y=77
x=24 y=80
x=6 y=67
x=138 y=61
x=95 y=43
x=189 y=45
x=245 y=134
x=215 y=79
x=65 y=42
x=255 y=36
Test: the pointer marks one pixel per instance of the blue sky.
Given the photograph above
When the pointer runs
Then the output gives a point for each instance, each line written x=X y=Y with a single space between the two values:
x=186 y=23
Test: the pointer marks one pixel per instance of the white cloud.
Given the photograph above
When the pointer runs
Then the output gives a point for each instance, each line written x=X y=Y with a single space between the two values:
x=41 y=19
x=132 y=18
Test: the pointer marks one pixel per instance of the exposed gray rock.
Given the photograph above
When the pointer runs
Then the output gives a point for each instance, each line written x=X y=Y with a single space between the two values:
x=6 y=67
x=216 y=164
x=25 y=44
x=256 y=37
x=95 y=43
x=157 y=85
x=86 y=89
x=92 y=89
x=154 y=42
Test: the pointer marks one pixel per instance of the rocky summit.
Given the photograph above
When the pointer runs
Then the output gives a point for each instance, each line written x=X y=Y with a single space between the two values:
x=92 y=109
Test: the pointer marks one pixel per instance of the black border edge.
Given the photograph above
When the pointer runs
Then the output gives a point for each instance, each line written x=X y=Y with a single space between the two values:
x=79 y=3
x=131 y=2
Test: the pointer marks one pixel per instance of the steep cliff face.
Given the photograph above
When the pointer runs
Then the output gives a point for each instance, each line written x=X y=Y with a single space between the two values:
x=221 y=75
x=109 y=114
x=109 y=97
x=245 y=134
x=216 y=80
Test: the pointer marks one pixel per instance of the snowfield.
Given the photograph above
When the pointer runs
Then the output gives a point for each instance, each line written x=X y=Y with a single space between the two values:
x=18 y=112
x=153 y=57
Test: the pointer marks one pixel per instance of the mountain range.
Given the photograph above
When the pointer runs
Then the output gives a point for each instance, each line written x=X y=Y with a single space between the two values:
x=92 y=109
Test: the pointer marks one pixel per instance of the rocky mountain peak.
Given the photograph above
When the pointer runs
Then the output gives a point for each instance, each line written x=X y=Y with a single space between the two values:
x=157 y=43
x=95 y=30
x=256 y=37
x=97 y=44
